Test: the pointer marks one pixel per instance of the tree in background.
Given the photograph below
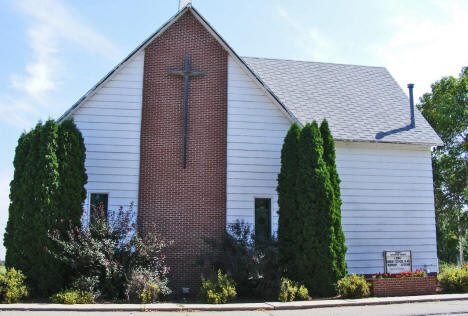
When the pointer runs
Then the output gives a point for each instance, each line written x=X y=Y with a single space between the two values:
x=287 y=200
x=49 y=168
x=446 y=109
x=316 y=260
x=329 y=158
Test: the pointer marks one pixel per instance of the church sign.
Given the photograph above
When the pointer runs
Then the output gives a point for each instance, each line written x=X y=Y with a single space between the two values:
x=397 y=261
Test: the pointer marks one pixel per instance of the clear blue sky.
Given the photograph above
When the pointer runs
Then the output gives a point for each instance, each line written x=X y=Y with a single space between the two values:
x=53 y=51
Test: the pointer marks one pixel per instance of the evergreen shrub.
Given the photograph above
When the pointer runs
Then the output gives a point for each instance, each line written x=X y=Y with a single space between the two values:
x=217 y=289
x=288 y=227
x=311 y=240
x=47 y=191
x=353 y=286
x=12 y=286
x=454 y=279
x=316 y=267
x=339 y=268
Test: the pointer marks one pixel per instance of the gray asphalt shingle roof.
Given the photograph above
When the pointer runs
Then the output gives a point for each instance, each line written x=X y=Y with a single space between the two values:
x=358 y=101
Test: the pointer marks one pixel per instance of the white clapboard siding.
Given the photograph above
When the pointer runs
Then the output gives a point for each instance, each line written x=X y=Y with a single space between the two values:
x=110 y=123
x=388 y=204
x=386 y=189
x=256 y=128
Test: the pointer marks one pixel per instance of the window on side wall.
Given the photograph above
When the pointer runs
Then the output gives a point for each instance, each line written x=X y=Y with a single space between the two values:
x=98 y=201
x=262 y=218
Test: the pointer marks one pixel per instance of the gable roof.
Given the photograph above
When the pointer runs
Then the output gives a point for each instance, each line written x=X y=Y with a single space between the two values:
x=361 y=103
x=358 y=101
x=187 y=9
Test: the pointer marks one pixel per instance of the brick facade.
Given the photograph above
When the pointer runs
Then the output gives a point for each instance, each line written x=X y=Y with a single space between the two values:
x=185 y=205
x=404 y=286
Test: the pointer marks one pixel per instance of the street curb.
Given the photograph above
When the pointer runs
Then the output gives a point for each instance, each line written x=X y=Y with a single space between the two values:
x=172 y=307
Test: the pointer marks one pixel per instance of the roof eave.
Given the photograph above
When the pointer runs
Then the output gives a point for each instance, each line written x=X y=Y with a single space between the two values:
x=153 y=36
x=425 y=144
x=123 y=62
x=244 y=65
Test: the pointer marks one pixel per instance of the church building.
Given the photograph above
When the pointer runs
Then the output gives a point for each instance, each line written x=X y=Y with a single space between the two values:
x=191 y=134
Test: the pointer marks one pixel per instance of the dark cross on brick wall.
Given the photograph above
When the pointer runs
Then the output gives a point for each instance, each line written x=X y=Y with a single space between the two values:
x=187 y=73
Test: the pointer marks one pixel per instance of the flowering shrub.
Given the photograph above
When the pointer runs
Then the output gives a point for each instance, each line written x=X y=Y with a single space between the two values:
x=12 y=287
x=105 y=254
x=410 y=274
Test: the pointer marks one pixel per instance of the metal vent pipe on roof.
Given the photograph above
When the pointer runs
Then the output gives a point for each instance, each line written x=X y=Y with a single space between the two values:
x=411 y=102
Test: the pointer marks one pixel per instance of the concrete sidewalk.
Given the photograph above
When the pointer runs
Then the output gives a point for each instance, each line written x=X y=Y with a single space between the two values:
x=233 y=307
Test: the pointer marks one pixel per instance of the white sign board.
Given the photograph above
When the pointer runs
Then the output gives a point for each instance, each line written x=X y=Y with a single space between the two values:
x=397 y=261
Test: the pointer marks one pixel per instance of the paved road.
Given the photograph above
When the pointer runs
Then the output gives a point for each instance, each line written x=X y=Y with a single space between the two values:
x=451 y=308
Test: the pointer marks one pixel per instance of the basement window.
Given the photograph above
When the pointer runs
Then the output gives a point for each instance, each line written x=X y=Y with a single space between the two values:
x=262 y=219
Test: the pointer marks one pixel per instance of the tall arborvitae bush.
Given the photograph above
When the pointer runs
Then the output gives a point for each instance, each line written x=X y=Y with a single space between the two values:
x=315 y=203
x=287 y=201
x=310 y=236
x=339 y=242
x=21 y=199
x=49 y=171
x=71 y=154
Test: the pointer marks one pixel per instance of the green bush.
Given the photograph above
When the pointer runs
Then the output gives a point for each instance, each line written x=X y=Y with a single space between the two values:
x=303 y=293
x=46 y=193
x=338 y=240
x=87 y=284
x=290 y=291
x=217 y=289
x=252 y=264
x=150 y=294
x=443 y=266
x=12 y=286
x=105 y=254
x=287 y=291
x=72 y=297
x=353 y=286
x=316 y=267
x=145 y=286
x=454 y=279
x=288 y=228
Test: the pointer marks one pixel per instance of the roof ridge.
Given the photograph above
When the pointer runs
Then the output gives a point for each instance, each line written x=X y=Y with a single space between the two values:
x=312 y=62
